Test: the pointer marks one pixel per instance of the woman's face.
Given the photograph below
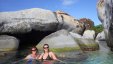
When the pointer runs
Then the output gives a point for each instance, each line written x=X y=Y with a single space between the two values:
x=46 y=48
x=34 y=50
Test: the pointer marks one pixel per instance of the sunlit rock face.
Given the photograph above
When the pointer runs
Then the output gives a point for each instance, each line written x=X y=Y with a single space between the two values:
x=64 y=41
x=69 y=23
x=101 y=10
x=105 y=14
x=37 y=19
x=26 y=20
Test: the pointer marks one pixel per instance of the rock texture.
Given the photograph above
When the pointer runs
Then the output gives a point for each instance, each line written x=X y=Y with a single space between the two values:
x=101 y=10
x=101 y=36
x=59 y=40
x=89 y=34
x=69 y=23
x=8 y=43
x=26 y=20
x=105 y=13
x=37 y=19
x=62 y=39
x=88 y=23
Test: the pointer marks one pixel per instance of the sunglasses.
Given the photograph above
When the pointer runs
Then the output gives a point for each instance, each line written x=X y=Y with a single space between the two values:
x=45 y=47
x=33 y=50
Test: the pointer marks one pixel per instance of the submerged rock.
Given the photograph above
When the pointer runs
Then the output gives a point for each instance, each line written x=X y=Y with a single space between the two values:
x=7 y=56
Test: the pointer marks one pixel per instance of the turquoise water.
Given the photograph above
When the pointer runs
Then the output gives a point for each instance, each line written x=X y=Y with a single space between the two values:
x=92 y=58
x=98 y=58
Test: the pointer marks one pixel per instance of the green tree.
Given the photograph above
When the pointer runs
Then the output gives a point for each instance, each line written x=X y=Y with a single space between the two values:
x=97 y=28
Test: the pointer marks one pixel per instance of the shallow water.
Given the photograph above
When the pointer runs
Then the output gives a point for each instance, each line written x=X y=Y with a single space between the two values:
x=96 y=57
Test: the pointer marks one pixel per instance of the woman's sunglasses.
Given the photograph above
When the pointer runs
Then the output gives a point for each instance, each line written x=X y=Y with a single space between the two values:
x=33 y=50
x=45 y=47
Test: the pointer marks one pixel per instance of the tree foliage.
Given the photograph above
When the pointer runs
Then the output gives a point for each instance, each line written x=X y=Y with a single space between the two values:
x=97 y=28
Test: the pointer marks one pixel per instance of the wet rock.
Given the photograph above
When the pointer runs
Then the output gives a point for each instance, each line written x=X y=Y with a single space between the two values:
x=86 y=43
x=6 y=56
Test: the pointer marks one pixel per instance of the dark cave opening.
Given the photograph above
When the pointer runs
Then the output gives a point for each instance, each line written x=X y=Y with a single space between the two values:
x=31 y=38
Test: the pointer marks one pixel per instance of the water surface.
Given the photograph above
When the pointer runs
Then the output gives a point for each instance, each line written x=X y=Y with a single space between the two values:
x=95 y=57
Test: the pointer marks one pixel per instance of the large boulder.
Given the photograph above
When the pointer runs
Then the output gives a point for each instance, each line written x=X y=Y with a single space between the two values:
x=89 y=34
x=68 y=41
x=101 y=36
x=69 y=23
x=8 y=43
x=75 y=35
x=88 y=23
x=105 y=13
x=60 y=41
x=101 y=10
x=26 y=20
x=85 y=43
x=37 y=19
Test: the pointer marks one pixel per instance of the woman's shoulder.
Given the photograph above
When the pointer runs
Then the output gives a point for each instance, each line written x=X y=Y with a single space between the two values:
x=51 y=52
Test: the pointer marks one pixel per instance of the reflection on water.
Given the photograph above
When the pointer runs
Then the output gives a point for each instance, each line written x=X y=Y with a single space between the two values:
x=95 y=57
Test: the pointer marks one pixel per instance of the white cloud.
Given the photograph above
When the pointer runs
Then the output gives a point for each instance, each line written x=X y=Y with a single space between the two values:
x=69 y=2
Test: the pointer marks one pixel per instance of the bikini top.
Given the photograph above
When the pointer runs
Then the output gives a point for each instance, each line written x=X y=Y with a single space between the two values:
x=48 y=57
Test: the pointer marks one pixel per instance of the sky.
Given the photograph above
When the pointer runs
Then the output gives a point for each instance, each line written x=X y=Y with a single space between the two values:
x=76 y=8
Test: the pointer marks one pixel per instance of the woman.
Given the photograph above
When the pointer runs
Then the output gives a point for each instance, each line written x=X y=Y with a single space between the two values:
x=47 y=55
x=33 y=54
x=30 y=57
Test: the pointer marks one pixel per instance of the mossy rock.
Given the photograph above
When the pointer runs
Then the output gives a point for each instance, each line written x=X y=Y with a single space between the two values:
x=7 y=49
x=88 y=44
x=65 y=49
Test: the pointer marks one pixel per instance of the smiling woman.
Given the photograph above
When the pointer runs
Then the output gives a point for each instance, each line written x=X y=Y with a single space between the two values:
x=33 y=54
x=47 y=55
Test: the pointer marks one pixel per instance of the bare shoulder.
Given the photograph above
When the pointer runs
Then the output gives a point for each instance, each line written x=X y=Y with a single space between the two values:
x=51 y=53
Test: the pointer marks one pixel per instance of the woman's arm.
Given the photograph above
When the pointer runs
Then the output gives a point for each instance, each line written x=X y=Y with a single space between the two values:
x=40 y=57
x=53 y=56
